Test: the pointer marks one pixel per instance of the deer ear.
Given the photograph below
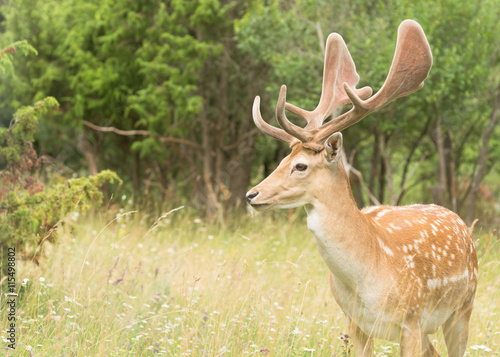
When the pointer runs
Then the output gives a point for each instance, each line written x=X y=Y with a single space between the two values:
x=333 y=147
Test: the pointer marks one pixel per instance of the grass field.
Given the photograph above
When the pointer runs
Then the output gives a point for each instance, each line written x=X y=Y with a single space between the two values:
x=181 y=287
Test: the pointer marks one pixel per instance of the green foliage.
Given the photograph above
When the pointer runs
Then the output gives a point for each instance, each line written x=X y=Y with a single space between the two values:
x=29 y=211
x=27 y=218
x=6 y=56
x=133 y=65
x=120 y=63
x=14 y=140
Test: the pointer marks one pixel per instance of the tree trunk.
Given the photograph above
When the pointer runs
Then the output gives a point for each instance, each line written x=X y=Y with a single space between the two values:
x=357 y=188
x=386 y=162
x=450 y=172
x=415 y=145
x=374 y=163
x=88 y=150
x=481 y=167
x=211 y=203
x=439 y=190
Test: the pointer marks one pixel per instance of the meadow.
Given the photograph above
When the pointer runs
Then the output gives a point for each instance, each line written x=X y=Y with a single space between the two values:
x=116 y=285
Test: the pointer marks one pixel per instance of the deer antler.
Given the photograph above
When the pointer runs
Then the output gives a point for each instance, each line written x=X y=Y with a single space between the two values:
x=267 y=129
x=339 y=68
x=410 y=67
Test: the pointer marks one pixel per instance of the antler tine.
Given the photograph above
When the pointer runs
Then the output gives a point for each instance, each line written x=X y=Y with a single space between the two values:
x=267 y=129
x=410 y=67
x=338 y=68
x=292 y=129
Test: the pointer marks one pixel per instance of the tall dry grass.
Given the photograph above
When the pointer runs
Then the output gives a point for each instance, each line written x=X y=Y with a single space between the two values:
x=182 y=287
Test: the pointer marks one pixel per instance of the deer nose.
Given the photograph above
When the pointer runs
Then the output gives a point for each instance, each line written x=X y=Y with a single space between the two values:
x=251 y=195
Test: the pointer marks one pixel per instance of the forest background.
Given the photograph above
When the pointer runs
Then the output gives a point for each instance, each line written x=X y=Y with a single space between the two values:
x=161 y=93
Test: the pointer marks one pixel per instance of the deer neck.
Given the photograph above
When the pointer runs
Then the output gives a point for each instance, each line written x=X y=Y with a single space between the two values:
x=342 y=232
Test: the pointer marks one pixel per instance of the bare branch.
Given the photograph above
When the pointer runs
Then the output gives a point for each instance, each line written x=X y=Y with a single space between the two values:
x=163 y=139
x=321 y=38
x=372 y=197
x=403 y=188
x=115 y=130
x=171 y=139
x=241 y=139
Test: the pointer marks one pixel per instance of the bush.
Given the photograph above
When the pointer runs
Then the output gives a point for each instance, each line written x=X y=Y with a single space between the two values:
x=29 y=210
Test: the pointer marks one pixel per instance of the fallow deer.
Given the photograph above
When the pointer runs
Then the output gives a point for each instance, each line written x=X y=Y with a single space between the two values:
x=398 y=273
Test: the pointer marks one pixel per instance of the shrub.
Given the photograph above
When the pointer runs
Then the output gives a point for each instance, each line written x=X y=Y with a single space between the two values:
x=29 y=210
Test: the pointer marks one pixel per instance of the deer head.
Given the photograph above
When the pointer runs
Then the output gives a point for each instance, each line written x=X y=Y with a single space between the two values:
x=316 y=147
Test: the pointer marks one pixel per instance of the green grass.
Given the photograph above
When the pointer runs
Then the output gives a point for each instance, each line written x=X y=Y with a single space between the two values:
x=182 y=287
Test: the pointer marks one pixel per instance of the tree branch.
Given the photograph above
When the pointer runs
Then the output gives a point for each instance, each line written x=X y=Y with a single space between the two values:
x=163 y=139
x=115 y=130
x=240 y=140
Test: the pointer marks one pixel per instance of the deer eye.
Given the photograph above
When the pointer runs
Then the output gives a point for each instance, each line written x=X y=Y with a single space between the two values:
x=301 y=167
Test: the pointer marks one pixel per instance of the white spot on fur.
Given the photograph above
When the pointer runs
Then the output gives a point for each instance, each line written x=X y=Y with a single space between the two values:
x=383 y=212
x=434 y=283
x=464 y=275
x=369 y=209
x=394 y=226
x=385 y=248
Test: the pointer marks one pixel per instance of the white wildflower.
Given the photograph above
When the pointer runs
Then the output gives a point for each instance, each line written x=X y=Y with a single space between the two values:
x=481 y=347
